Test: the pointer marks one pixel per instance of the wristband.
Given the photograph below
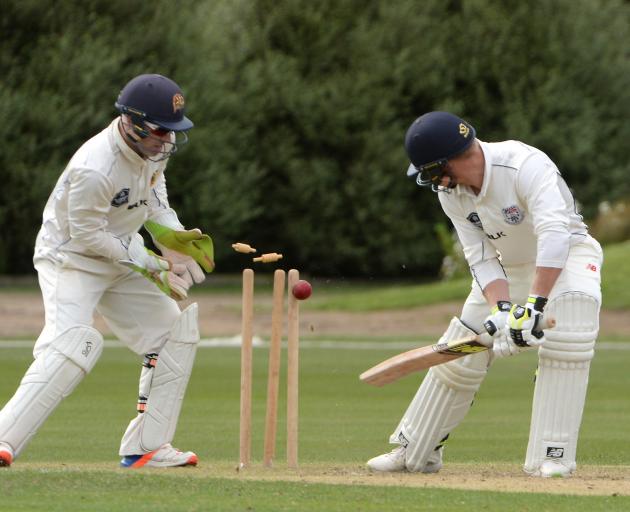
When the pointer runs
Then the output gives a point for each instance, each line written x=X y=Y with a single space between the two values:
x=538 y=302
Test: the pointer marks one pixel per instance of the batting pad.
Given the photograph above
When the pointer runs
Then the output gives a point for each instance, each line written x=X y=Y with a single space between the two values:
x=560 y=392
x=156 y=426
x=442 y=401
x=50 y=378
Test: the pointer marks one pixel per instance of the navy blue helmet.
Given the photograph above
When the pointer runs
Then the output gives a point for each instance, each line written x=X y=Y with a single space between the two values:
x=156 y=99
x=155 y=104
x=432 y=140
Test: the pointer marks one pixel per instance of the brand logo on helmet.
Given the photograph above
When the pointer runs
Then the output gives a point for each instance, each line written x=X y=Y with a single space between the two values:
x=464 y=130
x=178 y=102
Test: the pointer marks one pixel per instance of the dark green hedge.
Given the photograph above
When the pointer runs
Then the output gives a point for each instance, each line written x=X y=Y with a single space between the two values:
x=301 y=107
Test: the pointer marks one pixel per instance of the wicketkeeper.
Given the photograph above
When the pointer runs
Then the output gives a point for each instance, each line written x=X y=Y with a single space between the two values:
x=530 y=255
x=90 y=257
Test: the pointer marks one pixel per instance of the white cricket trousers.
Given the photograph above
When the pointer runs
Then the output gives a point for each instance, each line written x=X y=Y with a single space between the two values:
x=138 y=313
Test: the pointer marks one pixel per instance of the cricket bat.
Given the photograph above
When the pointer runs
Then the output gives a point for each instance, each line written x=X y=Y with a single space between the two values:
x=422 y=358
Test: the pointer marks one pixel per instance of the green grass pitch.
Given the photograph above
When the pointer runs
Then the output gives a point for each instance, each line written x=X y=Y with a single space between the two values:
x=72 y=464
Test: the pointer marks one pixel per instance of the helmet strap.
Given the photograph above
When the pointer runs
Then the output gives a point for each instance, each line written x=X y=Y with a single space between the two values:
x=136 y=120
x=129 y=129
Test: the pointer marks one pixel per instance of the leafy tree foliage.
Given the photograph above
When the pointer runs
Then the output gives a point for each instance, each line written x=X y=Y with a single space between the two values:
x=300 y=110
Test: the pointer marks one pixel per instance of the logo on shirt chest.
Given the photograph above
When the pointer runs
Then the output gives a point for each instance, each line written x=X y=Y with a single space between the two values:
x=474 y=219
x=120 y=198
x=513 y=214
x=137 y=204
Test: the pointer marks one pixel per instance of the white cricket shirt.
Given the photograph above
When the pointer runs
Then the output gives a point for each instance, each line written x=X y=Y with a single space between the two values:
x=102 y=198
x=524 y=213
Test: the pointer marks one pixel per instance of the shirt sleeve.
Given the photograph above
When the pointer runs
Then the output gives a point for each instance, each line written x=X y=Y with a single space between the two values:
x=547 y=197
x=89 y=199
x=159 y=209
x=481 y=256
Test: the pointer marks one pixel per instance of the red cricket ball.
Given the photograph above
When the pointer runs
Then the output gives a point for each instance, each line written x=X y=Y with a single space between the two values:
x=302 y=290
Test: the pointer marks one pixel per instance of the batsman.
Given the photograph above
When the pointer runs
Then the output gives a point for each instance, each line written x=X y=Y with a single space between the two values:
x=90 y=258
x=530 y=255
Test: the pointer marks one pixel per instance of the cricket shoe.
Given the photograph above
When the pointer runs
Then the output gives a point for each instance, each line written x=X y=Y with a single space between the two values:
x=392 y=461
x=164 y=457
x=6 y=455
x=434 y=462
x=555 y=469
x=396 y=461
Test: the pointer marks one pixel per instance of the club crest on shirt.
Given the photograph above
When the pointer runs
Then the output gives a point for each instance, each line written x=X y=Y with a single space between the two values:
x=473 y=217
x=513 y=214
x=121 y=198
x=154 y=178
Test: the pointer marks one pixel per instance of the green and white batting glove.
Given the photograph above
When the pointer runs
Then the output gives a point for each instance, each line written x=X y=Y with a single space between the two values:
x=524 y=322
x=495 y=325
x=156 y=269
x=192 y=243
x=497 y=320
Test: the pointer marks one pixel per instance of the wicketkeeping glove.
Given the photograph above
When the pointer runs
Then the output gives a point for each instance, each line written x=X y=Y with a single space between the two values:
x=190 y=270
x=158 y=270
x=524 y=323
x=192 y=243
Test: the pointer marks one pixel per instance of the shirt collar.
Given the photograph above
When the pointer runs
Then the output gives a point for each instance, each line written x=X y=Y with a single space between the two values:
x=123 y=146
x=487 y=171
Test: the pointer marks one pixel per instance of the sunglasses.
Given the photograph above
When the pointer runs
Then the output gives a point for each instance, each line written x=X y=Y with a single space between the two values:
x=156 y=130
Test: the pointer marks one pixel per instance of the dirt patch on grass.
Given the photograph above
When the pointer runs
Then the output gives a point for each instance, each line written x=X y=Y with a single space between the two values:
x=589 y=480
x=22 y=316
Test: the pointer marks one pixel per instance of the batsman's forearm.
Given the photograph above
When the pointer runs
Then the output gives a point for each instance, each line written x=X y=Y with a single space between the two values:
x=544 y=280
x=496 y=290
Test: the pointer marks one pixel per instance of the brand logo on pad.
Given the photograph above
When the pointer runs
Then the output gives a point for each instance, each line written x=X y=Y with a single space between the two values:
x=554 y=452
x=591 y=267
x=88 y=348
x=403 y=440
